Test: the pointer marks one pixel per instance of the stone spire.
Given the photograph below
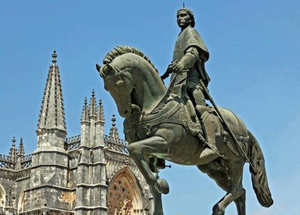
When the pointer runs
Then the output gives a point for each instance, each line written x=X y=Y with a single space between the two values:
x=13 y=150
x=113 y=133
x=100 y=112
x=21 y=151
x=52 y=114
x=85 y=112
x=93 y=105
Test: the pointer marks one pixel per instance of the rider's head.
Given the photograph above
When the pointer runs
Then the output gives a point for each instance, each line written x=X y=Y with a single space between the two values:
x=185 y=17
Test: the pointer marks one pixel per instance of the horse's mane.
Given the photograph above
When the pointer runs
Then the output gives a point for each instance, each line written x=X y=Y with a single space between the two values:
x=120 y=50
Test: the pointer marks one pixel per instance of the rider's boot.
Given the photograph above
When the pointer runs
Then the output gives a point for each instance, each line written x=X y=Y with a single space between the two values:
x=210 y=151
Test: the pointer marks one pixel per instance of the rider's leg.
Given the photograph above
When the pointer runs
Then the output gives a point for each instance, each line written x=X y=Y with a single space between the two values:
x=210 y=152
x=197 y=95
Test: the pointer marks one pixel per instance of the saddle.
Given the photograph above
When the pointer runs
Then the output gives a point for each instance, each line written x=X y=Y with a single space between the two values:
x=173 y=111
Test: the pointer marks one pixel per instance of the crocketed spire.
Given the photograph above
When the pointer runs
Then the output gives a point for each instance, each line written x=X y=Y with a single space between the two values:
x=21 y=151
x=52 y=114
x=13 y=149
x=93 y=104
x=85 y=111
x=100 y=112
x=113 y=133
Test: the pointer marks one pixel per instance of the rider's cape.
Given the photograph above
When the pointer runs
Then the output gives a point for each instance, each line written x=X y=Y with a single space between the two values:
x=189 y=37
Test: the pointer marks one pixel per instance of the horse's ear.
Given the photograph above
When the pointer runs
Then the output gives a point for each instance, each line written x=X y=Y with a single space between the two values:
x=98 y=67
x=110 y=68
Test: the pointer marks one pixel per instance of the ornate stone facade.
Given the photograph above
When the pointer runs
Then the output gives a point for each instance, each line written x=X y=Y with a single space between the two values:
x=88 y=174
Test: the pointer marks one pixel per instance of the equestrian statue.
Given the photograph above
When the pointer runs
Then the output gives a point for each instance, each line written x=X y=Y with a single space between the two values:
x=176 y=123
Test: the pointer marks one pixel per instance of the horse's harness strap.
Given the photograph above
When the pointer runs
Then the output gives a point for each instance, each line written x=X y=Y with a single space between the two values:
x=142 y=120
x=161 y=104
x=231 y=146
x=165 y=118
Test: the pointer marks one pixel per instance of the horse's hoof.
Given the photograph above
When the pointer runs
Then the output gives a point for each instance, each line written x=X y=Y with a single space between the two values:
x=218 y=211
x=162 y=186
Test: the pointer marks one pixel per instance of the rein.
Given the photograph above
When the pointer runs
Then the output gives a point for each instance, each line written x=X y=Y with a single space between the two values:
x=152 y=118
x=160 y=105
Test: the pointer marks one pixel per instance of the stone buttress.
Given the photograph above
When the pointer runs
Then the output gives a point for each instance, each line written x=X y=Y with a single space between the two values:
x=91 y=185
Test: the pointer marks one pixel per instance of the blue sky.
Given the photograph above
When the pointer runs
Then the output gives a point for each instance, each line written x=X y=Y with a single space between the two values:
x=254 y=66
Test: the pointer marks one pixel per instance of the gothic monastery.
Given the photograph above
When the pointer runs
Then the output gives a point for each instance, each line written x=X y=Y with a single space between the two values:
x=88 y=174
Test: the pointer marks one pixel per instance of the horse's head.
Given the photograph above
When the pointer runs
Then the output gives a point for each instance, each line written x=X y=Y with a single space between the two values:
x=120 y=85
x=131 y=79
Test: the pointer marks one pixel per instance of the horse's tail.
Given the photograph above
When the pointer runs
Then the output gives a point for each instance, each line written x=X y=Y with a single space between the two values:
x=258 y=173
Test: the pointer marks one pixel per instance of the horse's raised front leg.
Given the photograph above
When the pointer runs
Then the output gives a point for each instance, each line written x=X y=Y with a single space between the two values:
x=235 y=188
x=140 y=152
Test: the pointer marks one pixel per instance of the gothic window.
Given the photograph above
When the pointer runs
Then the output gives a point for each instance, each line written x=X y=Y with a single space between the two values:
x=123 y=195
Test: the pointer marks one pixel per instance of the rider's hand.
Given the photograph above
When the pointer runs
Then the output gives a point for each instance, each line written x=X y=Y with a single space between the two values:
x=171 y=66
x=177 y=67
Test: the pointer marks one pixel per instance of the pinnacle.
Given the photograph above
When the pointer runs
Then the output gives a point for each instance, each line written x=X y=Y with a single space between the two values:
x=13 y=150
x=52 y=115
x=100 y=112
x=113 y=133
x=93 y=104
x=85 y=111
x=21 y=151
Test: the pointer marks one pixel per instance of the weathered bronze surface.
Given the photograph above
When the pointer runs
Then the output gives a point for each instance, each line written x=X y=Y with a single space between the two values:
x=176 y=124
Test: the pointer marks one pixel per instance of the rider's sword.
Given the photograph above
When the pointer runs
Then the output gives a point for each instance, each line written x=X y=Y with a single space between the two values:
x=225 y=123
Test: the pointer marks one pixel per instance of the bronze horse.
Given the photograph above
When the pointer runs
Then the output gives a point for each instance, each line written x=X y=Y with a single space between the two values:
x=159 y=126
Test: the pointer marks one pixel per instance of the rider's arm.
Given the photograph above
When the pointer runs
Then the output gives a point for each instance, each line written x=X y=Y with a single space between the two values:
x=190 y=57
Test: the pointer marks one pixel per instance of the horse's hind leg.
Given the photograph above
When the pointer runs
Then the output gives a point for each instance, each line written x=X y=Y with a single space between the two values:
x=240 y=203
x=234 y=186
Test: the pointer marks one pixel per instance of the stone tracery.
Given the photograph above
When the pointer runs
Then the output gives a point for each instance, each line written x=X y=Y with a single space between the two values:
x=124 y=197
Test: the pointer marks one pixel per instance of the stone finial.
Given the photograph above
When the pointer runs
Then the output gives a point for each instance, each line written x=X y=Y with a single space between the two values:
x=93 y=105
x=114 y=119
x=21 y=151
x=52 y=114
x=113 y=133
x=14 y=142
x=13 y=150
x=100 y=112
x=85 y=112
x=54 y=56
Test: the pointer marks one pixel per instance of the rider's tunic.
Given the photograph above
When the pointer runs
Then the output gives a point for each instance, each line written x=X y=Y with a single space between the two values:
x=190 y=38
